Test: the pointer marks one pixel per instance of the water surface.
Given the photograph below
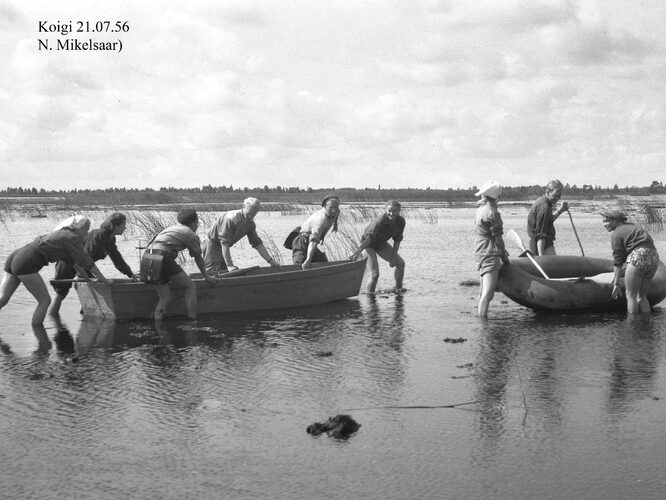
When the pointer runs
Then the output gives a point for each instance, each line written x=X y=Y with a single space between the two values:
x=565 y=406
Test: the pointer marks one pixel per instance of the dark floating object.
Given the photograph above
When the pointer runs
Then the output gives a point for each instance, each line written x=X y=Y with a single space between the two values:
x=470 y=283
x=323 y=354
x=454 y=341
x=339 y=427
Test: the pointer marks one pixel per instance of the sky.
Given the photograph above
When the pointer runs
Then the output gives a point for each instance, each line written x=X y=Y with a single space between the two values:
x=362 y=93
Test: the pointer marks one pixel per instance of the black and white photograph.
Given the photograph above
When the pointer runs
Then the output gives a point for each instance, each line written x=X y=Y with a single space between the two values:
x=308 y=249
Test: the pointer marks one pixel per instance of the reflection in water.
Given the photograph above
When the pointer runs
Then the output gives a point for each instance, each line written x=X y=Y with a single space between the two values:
x=376 y=351
x=4 y=348
x=633 y=367
x=63 y=339
x=494 y=365
x=43 y=343
x=388 y=324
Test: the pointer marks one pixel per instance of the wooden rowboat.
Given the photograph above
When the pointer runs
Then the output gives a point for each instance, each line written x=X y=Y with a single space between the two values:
x=577 y=284
x=244 y=290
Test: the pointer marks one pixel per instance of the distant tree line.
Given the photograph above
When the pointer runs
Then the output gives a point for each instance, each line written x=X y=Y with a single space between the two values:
x=309 y=195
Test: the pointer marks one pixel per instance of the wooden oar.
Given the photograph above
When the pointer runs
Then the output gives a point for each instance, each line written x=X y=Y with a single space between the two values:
x=516 y=240
x=576 y=233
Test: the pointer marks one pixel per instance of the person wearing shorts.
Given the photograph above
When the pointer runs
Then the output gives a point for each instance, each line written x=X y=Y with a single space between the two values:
x=64 y=243
x=633 y=251
x=389 y=225
x=489 y=250
x=168 y=243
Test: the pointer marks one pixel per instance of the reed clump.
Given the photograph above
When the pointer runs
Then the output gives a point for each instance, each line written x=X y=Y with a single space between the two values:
x=651 y=213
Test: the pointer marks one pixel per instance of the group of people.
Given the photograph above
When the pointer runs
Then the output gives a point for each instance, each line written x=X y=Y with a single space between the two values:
x=75 y=250
x=634 y=252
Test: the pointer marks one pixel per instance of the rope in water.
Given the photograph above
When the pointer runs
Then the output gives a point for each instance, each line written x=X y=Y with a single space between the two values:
x=414 y=407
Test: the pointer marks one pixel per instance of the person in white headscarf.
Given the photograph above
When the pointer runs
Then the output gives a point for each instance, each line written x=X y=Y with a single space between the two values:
x=64 y=243
x=228 y=230
x=98 y=243
x=489 y=250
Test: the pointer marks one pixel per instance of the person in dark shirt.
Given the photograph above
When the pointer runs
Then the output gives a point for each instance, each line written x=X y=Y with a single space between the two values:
x=633 y=246
x=65 y=242
x=541 y=219
x=390 y=225
x=98 y=243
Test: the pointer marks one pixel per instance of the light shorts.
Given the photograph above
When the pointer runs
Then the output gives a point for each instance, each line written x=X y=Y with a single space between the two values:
x=645 y=259
x=488 y=264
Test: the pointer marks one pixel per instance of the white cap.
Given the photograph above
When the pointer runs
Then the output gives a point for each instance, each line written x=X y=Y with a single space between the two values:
x=74 y=222
x=491 y=189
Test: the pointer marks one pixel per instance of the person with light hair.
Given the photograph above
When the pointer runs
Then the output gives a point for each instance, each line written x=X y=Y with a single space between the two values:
x=489 y=250
x=64 y=243
x=541 y=219
x=635 y=254
x=389 y=225
x=229 y=228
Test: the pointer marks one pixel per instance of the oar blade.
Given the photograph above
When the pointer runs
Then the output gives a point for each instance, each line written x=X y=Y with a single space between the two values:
x=515 y=238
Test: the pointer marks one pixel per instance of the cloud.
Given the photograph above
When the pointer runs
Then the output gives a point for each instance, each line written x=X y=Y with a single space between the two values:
x=510 y=15
x=10 y=16
x=431 y=92
x=395 y=118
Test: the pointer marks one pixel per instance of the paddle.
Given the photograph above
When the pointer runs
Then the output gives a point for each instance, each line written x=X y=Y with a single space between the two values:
x=516 y=240
x=576 y=233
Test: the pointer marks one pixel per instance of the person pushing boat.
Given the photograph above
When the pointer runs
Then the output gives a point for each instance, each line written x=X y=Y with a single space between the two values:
x=98 y=243
x=389 y=225
x=228 y=230
x=304 y=247
x=633 y=250
x=158 y=263
x=64 y=243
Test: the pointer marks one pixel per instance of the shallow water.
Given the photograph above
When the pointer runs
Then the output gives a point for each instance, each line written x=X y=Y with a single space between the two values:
x=565 y=406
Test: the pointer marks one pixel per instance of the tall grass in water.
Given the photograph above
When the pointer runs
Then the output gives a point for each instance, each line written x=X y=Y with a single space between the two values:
x=341 y=244
x=150 y=223
x=352 y=222
x=271 y=247
x=650 y=213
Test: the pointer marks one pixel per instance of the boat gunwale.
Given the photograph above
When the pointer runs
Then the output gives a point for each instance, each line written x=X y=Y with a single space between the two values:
x=320 y=269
